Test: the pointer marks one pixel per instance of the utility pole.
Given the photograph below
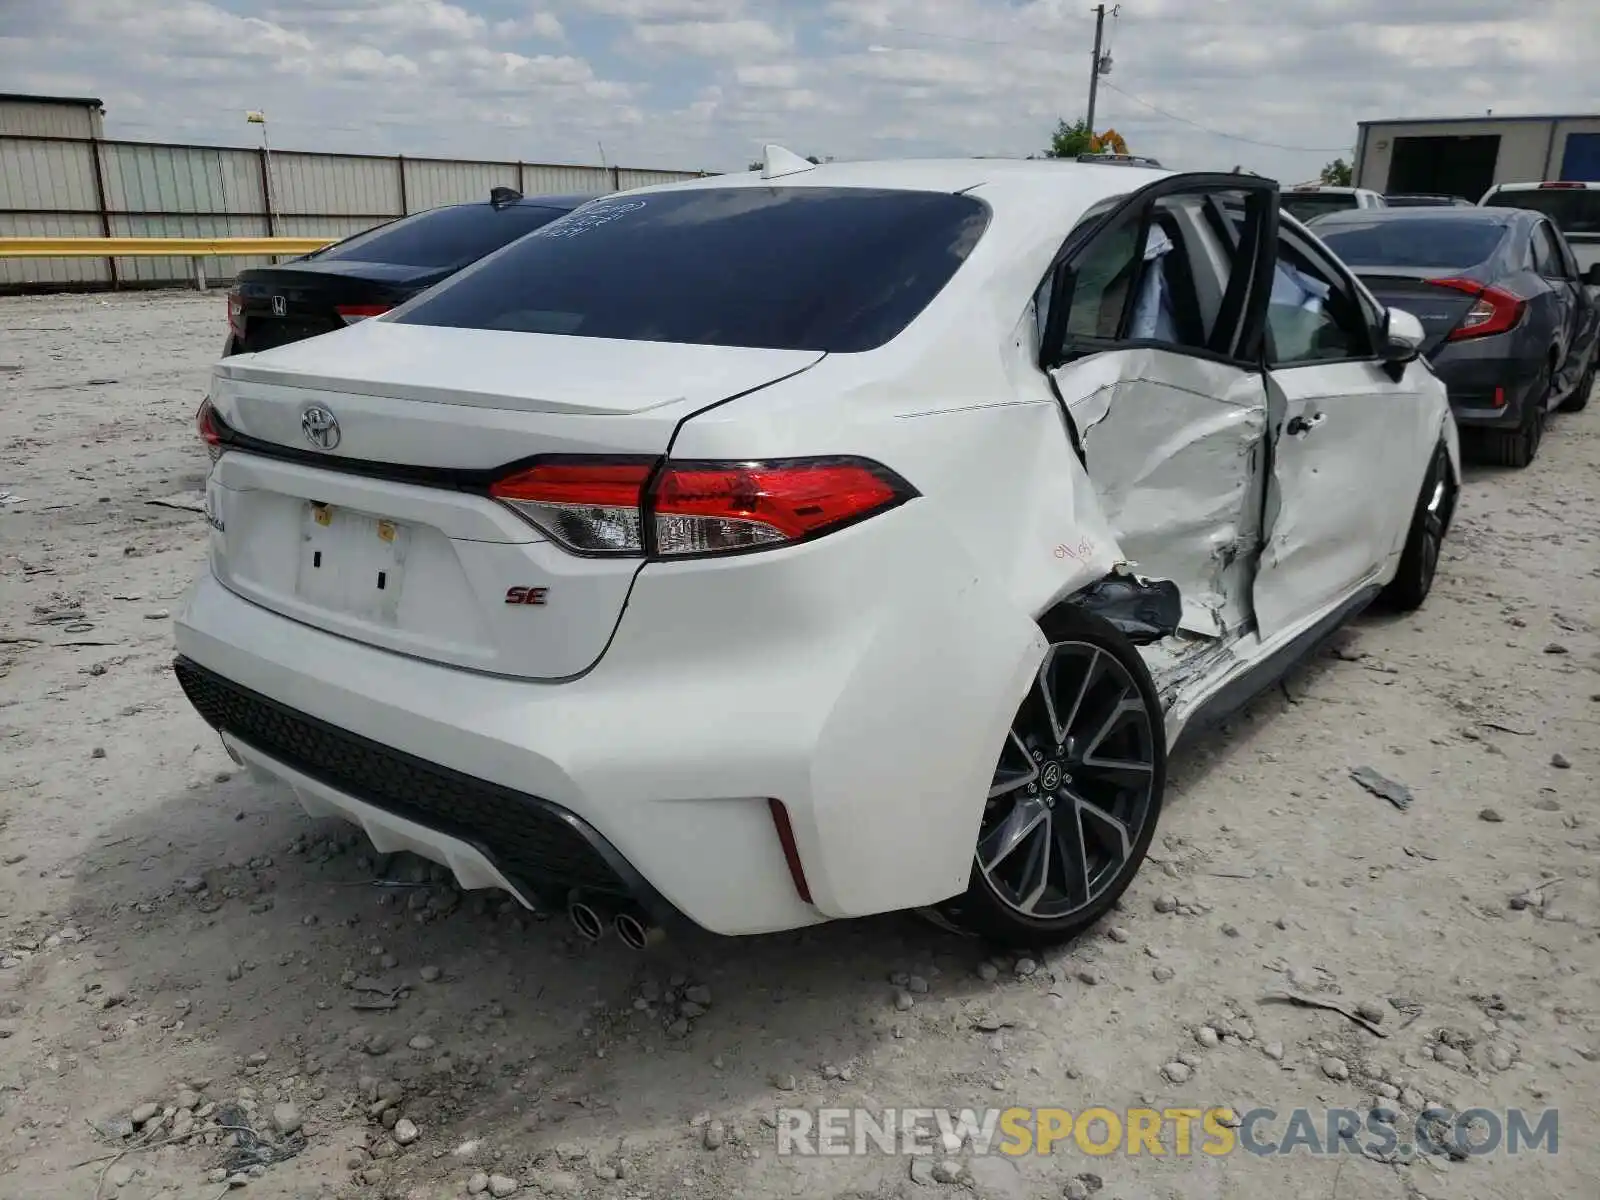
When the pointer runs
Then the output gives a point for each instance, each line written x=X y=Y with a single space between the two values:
x=1097 y=65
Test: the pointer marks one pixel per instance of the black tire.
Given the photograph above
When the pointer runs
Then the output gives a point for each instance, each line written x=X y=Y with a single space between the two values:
x=1520 y=446
x=1419 y=559
x=1579 y=400
x=1108 y=800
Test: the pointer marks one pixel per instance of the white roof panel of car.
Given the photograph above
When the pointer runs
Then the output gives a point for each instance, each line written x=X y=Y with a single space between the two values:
x=1549 y=185
x=1003 y=181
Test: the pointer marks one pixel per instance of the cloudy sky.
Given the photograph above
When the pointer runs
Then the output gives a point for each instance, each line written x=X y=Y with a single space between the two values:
x=703 y=83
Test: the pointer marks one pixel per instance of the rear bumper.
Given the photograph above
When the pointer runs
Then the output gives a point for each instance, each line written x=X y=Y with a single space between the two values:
x=813 y=679
x=1475 y=380
x=489 y=836
x=484 y=774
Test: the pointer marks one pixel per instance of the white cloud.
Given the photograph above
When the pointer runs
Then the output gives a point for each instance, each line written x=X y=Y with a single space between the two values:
x=406 y=18
x=700 y=83
x=713 y=39
x=538 y=24
x=768 y=75
x=664 y=10
x=364 y=61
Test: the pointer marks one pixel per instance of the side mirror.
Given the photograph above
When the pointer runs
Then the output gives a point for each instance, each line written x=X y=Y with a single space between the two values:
x=1591 y=277
x=1403 y=336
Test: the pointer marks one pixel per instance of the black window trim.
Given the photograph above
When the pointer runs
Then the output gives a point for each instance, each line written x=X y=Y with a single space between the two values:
x=1138 y=205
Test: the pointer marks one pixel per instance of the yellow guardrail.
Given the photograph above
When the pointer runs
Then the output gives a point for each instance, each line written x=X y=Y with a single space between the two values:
x=137 y=247
x=196 y=250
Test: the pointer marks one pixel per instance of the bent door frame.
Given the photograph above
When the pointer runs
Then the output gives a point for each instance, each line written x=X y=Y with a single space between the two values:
x=1221 y=387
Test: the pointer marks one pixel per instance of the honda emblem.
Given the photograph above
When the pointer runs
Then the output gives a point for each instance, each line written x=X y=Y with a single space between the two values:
x=280 y=306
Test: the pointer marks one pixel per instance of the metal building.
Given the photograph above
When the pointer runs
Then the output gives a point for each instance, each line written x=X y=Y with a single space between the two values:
x=52 y=116
x=1466 y=156
x=60 y=178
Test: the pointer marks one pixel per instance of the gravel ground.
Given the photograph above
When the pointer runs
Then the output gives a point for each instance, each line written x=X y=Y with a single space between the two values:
x=198 y=983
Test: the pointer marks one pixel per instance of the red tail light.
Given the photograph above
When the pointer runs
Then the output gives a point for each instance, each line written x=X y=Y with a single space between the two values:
x=709 y=508
x=683 y=509
x=236 y=312
x=1560 y=184
x=351 y=313
x=207 y=424
x=1494 y=309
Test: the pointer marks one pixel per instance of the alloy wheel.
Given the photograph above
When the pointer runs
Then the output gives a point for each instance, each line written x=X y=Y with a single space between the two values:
x=1433 y=521
x=1073 y=788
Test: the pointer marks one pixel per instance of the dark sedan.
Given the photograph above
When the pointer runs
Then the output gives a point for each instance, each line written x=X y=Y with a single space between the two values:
x=1511 y=325
x=376 y=269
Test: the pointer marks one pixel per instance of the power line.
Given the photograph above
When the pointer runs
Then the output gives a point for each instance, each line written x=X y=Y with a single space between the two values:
x=1232 y=137
x=951 y=37
x=1171 y=116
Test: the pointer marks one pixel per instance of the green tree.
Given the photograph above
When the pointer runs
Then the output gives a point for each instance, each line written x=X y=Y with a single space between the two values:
x=1069 y=141
x=1337 y=173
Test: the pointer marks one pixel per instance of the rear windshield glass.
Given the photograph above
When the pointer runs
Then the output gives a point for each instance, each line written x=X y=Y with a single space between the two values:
x=1574 y=210
x=1304 y=208
x=443 y=237
x=1412 y=243
x=792 y=268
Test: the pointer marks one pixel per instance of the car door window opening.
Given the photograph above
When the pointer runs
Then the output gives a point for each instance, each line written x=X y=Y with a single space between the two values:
x=1302 y=332
x=1164 y=273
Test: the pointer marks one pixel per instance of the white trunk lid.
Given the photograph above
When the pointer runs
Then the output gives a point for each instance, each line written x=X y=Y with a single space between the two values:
x=362 y=540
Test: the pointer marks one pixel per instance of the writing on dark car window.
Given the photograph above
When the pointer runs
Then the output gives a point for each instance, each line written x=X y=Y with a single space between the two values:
x=591 y=216
x=792 y=268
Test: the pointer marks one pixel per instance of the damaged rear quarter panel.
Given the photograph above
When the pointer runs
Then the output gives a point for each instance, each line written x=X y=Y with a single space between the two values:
x=1015 y=494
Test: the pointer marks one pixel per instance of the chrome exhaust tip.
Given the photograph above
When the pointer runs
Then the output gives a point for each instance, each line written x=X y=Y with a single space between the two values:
x=586 y=921
x=637 y=932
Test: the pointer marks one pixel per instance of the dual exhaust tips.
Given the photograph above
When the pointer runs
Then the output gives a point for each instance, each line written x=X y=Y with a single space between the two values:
x=633 y=929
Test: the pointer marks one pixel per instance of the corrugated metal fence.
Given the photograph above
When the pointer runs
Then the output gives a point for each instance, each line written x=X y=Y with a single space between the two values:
x=72 y=187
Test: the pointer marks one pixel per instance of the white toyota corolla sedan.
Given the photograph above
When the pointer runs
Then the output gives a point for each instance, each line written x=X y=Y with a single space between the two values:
x=821 y=541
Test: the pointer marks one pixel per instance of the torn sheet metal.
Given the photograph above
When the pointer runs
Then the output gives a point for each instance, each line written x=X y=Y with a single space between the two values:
x=1143 y=610
x=1174 y=450
x=1186 y=668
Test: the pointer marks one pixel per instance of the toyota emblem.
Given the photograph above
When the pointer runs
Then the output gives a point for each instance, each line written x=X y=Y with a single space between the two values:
x=280 y=306
x=320 y=426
